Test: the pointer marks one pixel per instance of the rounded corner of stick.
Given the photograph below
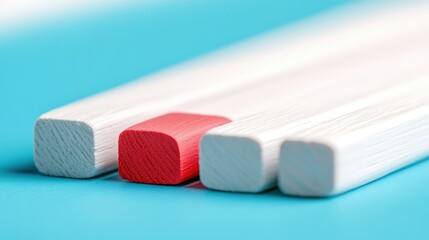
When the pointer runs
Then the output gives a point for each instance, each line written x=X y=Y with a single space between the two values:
x=307 y=168
x=231 y=163
x=64 y=148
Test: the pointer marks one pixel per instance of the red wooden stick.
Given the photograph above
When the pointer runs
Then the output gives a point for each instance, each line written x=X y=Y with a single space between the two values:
x=165 y=149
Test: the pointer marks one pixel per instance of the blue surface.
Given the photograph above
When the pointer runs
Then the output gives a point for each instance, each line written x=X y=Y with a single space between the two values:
x=54 y=65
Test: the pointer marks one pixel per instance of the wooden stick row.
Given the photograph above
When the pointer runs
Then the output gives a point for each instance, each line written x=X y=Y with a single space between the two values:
x=242 y=113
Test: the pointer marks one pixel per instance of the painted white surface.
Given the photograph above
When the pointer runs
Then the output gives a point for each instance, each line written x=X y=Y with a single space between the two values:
x=358 y=143
x=243 y=155
x=80 y=140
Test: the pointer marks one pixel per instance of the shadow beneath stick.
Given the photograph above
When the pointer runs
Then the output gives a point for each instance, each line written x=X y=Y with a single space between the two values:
x=27 y=167
x=113 y=176
x=192 y=183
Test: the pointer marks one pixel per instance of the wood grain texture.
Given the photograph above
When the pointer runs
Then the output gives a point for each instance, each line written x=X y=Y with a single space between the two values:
x=243 y=155
x=275 y=92
x=99 y=120
x=164 y=150
x=358 y=143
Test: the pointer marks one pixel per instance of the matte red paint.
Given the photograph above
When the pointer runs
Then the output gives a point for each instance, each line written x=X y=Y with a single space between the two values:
x=165 y=149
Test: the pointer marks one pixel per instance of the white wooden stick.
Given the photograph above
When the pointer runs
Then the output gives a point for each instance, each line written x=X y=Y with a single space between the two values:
x=354 y=145
x=148 y=158
x=80 y=140
x=243 y=155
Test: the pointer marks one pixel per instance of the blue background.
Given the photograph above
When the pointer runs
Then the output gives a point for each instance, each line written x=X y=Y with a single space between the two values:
x=47 y=67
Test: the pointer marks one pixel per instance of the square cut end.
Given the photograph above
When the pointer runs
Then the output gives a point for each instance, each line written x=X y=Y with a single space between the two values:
x=307 y=169
x=64 y=148
x=232 y=163
x=165 y=149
